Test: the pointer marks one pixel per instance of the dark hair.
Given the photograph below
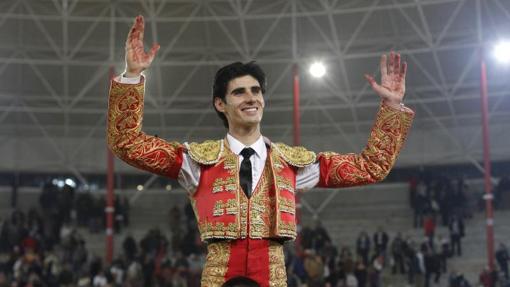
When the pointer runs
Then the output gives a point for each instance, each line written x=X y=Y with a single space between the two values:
x=229 y=72
x=240 y=281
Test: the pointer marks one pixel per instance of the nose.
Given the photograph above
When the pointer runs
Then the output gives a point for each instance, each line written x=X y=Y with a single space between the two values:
x=250 y=96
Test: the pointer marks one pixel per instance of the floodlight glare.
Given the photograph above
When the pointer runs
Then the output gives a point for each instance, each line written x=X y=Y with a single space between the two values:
x=139 y=187
x=70 y=182
x=317 y=70
x=502 y=52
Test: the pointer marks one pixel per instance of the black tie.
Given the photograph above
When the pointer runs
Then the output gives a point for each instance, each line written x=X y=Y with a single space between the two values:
x=245 y=177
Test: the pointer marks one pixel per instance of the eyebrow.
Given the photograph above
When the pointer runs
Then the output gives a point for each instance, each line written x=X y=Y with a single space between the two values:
x=243 y=89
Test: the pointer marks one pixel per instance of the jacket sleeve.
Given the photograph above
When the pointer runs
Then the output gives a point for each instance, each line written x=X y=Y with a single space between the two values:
x=375 y=162
x=126 y=139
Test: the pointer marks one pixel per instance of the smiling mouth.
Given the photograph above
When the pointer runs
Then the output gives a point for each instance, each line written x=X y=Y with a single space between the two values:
x=250 y=109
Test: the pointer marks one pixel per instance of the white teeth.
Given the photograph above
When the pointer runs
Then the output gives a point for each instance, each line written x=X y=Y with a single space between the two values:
x=250 y=109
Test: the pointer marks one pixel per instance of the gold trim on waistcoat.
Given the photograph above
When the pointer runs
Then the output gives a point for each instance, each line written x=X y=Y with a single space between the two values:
x=263 y=210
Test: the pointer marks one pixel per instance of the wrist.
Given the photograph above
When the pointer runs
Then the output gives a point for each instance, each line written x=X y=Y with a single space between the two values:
x=393 y=103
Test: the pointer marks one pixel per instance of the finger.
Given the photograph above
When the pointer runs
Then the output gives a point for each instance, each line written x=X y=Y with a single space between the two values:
x=391 y=62
x=154 y=50
x=141 y=27
x=383 y=65
x=375 y=86
x=403 y=70
x=370 y=79
x=131 y=32
x=396 y=64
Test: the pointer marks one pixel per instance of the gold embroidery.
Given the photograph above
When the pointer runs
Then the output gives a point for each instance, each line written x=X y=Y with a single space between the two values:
x=216 y=264
x=210 y=230
x=126 y=139
x=297 y=156
x=231 y=207
x=243 y=215
x=262 y=207
x=287 y=229
x=207 y=153
x=230 y=163
x=287 y=205
x=277 y=273
x=284 y=183
x=224 y=184
x=218 y=208
x=374 y=163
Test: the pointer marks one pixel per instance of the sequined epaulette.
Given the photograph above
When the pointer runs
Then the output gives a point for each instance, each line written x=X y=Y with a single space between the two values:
x=208 y=152
x=296 y=156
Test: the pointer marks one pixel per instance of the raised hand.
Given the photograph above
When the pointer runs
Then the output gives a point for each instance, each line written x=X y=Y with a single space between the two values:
x=137 y=59
x=393 y=80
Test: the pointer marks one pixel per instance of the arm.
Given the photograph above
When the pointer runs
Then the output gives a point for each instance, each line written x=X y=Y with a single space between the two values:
x=386 y=139
x=126 y=139
x=125 y=112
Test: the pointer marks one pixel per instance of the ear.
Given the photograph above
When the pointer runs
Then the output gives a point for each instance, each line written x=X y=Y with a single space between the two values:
x=219 y=104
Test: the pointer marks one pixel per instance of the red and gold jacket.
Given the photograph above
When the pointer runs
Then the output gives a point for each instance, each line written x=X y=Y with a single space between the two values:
x=223 y=211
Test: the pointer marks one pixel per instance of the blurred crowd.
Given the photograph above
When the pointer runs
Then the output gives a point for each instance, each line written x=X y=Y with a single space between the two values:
x=47 y=246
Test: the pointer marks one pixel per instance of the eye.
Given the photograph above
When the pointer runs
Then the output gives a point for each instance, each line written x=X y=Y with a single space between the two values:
x=238 y=92
x=256 y=90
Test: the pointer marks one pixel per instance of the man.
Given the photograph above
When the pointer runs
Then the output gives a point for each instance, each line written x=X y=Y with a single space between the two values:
x=456 y=227
x=397 y=251
x=380 y=239
x=363 y=246
x=503 y=257
x=242 y=187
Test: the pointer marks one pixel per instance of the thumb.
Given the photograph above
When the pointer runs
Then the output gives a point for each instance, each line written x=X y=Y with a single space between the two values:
x=375 y=86
x=370 y=79
x=154 y=50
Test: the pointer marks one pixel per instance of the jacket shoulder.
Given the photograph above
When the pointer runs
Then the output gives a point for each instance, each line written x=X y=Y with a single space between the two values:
x=207 y=152
x=297 y=156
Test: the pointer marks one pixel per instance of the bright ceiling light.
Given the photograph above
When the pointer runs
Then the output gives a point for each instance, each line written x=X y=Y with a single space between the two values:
x=502 y=52
x=317 y=70
x=70 y=182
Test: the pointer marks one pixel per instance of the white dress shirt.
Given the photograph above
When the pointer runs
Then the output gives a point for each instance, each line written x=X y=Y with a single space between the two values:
x=189 y=175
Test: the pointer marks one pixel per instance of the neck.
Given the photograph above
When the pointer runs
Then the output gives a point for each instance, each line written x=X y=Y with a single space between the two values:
x=246 y=135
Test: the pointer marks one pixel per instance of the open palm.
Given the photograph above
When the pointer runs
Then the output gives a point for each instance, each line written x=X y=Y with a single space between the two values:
x=137 y=59
x=393 y=77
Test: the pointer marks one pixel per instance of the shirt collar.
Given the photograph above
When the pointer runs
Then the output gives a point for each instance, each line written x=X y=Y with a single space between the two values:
x=236 y=146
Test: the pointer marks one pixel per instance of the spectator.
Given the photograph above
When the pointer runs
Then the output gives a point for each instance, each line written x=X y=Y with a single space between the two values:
x=445 y=252
x=488 y=278
x=458 y=280
x=130 y=248
x=420 y=204
x=363 y=246
x=397 y=252
x=319 y=236
x=361 y=274
x=503 y=257
x=380 y=239
x=429 y=226
x=456 y=227
x=314 y=267
x=432 y=265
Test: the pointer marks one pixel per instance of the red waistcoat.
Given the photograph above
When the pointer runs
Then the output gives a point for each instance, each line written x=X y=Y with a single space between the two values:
x=223 y=211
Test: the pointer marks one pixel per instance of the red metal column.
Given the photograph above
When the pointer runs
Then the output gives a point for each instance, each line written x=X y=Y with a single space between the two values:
x=110 y=197
x=487 y=163
x=297 y=125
